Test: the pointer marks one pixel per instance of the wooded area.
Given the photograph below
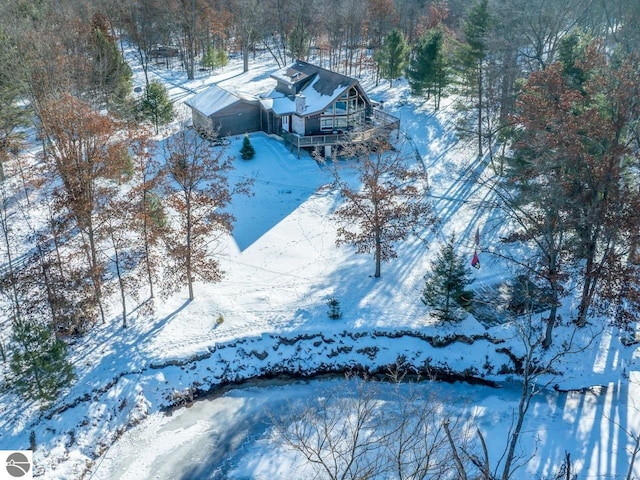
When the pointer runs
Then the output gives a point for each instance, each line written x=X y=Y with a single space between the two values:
x=550 y=90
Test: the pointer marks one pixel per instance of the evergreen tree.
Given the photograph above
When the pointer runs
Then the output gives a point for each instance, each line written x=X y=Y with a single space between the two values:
x=299 y=40
x=247 y=152
x=38 y=363
x=445 y=286
x=473 y=56
x=428 y=70
x=214 y=58
x=110 y=74
x=156 y=104
x=572 y=56
x=393 y=56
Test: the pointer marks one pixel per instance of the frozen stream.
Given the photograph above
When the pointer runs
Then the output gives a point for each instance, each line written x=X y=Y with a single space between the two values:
x=227 y=436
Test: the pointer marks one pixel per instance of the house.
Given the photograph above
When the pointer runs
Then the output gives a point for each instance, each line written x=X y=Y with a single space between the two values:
x=309 y=107
x=224 y=113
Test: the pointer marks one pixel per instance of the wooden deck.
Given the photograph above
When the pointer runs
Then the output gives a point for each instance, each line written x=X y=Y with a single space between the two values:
x=379 y=123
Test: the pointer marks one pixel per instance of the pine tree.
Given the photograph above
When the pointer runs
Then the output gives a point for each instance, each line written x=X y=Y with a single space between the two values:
x=445 y=286
x=38 y=363
x=156 y=104
x=393 y=56
x=247 y=152
x=428 y=69
x=110 y=74
x=473 y=57
x=214 y=58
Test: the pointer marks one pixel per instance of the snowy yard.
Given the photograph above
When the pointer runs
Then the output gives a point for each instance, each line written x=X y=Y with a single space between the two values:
x=281 y=266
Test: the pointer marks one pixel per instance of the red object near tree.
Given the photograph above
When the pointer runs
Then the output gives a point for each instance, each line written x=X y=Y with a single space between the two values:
x=475 y=261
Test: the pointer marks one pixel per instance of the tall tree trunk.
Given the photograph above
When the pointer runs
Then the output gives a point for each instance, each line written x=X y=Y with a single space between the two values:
x=552 y=277
x=123 y=299
x=245 y=55
x=378 y=238
x=634 y=453
x=480 y=108
x=47 y=284
x=188 y=253
x=588 y=288
x=523 y=406
x=550 y=323
x=378 y=254
x=95 y=271
x=7 y=243
x=145 y=233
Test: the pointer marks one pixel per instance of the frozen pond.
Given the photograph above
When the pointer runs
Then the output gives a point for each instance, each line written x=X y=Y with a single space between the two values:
x=230 y=435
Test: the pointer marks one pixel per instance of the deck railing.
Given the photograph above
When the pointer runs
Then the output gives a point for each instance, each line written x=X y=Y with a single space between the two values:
x=378 y=122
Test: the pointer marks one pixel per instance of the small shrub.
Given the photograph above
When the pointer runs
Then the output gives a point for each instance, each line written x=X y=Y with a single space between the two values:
x=247 y=152
x=334 y=308
x=219 y=320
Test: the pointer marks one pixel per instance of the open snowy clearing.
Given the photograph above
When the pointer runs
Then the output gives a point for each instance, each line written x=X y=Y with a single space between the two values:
x=281 y=266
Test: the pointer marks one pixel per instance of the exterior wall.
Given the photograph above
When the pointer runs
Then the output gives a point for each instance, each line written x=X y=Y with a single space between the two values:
x=298 y=125
x=200 y=122
x=286 y=89
x=239 y=118
x=313 y=125
x=267 y=122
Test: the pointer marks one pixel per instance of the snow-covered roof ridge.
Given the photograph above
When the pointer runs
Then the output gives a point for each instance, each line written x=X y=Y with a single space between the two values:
x=216 y=98
x=327 y=81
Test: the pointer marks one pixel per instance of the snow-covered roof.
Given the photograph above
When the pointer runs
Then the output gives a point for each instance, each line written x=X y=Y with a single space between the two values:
x=214 y=99
x=319 y=86
x=278 y=103
x=316 y=99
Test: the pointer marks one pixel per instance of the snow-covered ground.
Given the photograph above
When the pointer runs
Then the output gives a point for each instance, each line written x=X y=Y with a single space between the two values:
x=231 y=436
x=281 y=266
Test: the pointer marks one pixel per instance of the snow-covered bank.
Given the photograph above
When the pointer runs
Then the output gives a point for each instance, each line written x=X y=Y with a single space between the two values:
x=281 y=266
x=230 y=435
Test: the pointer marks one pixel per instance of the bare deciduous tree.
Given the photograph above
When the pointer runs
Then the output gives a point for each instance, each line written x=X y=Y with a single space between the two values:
x=360 y=431
x=196 y=184
x=84 y=151
x=387 y=207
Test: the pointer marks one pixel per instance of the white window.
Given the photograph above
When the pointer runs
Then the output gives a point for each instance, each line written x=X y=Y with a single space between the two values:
x=326 y=123
x=341 y=122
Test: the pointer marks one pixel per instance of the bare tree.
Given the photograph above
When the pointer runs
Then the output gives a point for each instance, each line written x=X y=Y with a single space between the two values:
x=389 y=205
x=538 y=371
x=196 y=184
x=571 y=140
x=358 y=431
x=149 y=218
x=247 y=16
x=84 y=151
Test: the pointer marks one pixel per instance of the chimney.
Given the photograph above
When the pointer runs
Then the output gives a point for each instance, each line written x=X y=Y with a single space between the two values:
x=301 y=104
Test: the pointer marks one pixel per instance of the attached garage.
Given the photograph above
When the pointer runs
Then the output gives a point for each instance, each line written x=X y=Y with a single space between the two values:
x=221 y=111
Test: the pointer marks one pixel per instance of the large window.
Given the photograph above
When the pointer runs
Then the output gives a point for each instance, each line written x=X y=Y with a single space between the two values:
x=340 y=122
x=348 y=111
x=341 y=107
x=329 y=110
